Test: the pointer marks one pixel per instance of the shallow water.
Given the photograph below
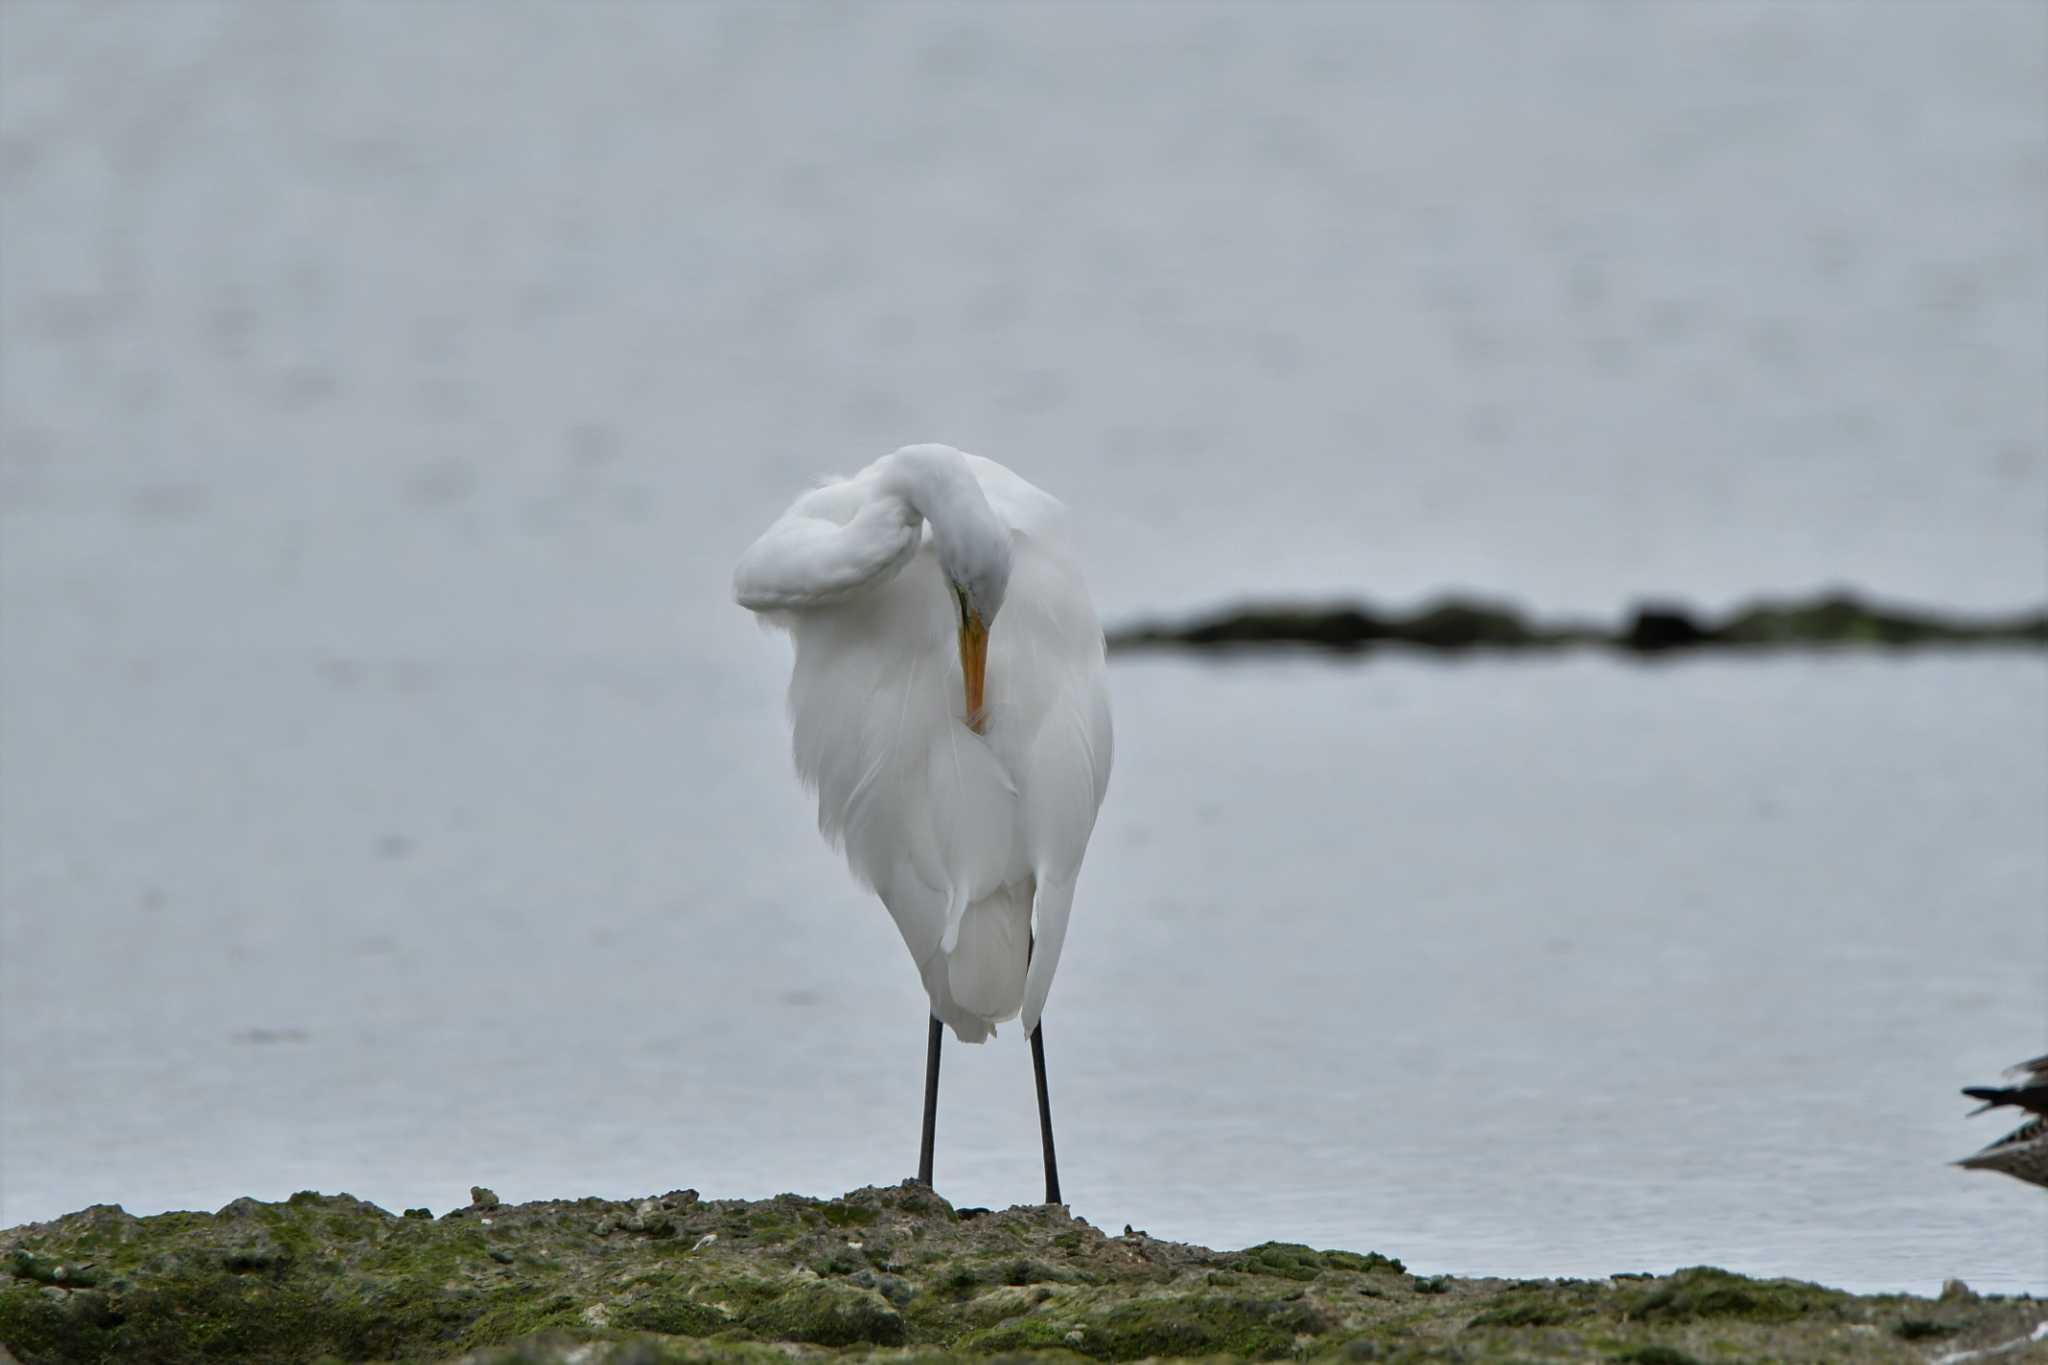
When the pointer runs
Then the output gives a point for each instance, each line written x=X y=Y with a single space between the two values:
x=393 y=801
x=1571 y=966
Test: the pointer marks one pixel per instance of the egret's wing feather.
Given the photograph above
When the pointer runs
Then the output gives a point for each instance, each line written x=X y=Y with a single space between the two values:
x=1049 y=913
x=833 y=541
x=1066 y=775
x=867 y=681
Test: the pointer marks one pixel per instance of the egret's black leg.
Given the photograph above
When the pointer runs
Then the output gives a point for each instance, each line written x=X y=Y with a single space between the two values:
x=1052 y=1170
x=931 y=1101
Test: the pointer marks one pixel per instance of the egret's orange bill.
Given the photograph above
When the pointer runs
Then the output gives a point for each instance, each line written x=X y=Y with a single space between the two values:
x=973 y=665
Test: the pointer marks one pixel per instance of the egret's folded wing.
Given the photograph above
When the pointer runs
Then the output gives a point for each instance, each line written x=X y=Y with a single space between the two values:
x=832 y=541
x=1064 y=779
x=1050 y=909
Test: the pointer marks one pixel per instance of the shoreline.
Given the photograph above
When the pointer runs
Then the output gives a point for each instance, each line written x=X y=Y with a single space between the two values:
x=876 y=1272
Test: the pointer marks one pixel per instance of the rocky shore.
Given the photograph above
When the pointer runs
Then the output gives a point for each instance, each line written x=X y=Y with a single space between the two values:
x=895 y=1274
x=1457 y=624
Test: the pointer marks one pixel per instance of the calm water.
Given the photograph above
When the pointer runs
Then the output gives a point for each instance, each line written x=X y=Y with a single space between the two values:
x=392 y=800
x=1561 y=967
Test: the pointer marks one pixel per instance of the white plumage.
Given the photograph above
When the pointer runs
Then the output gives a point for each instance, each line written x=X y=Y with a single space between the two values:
x=973 y=840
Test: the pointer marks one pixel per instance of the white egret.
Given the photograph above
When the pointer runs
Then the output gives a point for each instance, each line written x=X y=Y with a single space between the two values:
x=949 y=707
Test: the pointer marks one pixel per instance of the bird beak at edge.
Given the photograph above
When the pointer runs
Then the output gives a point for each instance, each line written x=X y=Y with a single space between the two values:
x=973 y=664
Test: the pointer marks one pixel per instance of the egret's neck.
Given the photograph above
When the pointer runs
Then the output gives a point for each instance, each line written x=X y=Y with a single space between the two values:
x=937 y=484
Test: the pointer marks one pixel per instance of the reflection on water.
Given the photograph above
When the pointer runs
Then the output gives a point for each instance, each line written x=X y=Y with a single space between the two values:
x=393 y=800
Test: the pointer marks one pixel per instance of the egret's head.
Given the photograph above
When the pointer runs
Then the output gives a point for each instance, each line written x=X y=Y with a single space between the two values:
x=978 y=572
x=972 y=543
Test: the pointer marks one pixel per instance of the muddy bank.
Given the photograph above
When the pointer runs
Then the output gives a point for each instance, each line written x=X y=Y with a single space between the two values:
x=891 y=1273
x=1459 y=624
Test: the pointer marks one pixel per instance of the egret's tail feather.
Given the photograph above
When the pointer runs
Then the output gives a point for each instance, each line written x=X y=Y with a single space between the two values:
x=979 y=982
x=967 y=1027
x=985 y=969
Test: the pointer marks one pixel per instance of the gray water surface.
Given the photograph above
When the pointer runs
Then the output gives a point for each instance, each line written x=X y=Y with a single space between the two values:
x=1564 y=967
x=352 y=318
x=393 y=800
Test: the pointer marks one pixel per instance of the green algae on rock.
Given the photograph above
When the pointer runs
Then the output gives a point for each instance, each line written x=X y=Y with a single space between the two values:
x=889 y=1274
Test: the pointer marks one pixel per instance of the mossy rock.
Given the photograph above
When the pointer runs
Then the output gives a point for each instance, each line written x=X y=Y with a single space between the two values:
x=831 y=1313
x=1243 y=1328
x=1288 y=1260
x=886 y=1273
x=1656 y=1355
x=840 y=1214
x=1543 y=1303
x=1705 y=1292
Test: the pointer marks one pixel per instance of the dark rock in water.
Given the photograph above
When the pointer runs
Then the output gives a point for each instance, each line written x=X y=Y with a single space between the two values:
x=1450 y=624
x=1656 y=628
x=1456 y=623
x=873 y=1272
